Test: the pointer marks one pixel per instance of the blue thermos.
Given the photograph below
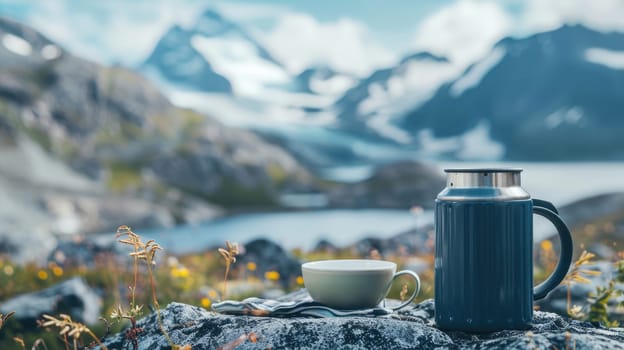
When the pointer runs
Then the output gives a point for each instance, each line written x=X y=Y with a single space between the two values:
x=484 y=251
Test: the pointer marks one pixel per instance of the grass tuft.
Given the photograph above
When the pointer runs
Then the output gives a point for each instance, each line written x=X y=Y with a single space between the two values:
x=69 y=329
x=146 y=252
x=229 y=255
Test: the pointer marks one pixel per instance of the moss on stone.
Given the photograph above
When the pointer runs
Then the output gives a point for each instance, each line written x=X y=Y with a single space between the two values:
x=123 y=177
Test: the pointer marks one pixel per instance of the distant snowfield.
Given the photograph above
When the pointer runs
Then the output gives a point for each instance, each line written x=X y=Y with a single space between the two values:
x=334 y=86
x=312 y=130
x=241 y=112
x=610 y=58
x=383 y=124
x=474 y=144
x=267 y=108
x=473 y=77
x=564 y=116
x=411 y=84
x=16 y=45
x=21 y=47
x=240 y=62
x=254 y=76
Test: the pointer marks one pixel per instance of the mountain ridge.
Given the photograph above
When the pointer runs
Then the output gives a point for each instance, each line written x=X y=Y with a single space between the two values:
x=546 y=81
x=428 y=105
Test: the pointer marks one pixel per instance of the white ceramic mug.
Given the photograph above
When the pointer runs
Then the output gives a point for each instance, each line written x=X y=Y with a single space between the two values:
x=350 y=284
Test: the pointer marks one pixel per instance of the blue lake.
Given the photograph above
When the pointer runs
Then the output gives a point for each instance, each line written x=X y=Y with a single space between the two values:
x=291 y=229
x=560 y=183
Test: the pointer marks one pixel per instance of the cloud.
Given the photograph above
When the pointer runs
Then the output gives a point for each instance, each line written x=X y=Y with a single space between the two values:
x=606 y=15
x=126 y=32
x=108 y=32
x=463 y=31
x=299 y=41
x=250 y=12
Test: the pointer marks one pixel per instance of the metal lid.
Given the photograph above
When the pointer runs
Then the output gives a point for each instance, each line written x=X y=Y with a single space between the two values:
x=483 y=170
x=483 y=184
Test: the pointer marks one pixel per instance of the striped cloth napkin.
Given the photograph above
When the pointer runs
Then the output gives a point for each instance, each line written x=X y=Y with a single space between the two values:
x=302 y=306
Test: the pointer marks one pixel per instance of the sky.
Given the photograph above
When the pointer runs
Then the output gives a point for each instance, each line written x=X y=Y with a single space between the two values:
x=353 y=35
x=391 y=21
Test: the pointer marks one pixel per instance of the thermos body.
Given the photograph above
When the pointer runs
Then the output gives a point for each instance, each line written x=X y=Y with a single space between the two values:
x=484 y=265
x=484 y=251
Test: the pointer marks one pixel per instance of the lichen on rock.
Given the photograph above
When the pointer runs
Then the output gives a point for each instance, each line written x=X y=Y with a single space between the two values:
x=410 y=328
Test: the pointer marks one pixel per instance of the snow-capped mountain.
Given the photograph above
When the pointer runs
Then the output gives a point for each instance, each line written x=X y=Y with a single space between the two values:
x=217 y=67
x=553 y=95
x=375 y=103
x=540 y=97
x=176 y=60
x=218 y=55
x=215 y=55
x=323 y=80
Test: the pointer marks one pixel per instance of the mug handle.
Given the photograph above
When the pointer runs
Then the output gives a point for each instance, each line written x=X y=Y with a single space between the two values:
x=416 y=289
x=548 y=210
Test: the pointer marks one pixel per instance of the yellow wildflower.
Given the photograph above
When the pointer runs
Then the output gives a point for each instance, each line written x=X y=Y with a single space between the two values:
x=272 y=275
x=546 y=245
x=251 y=266
x=205 y=303
x=183 y=272
x=299 y=280
x=42 y=275
x=57 y=271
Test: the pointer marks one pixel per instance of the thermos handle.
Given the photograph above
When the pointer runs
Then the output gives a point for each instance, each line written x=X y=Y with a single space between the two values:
x=545 y=204
x=548 y=210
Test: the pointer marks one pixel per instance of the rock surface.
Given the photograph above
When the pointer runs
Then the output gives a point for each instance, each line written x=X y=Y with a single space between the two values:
x=399 y=185
x=417 y=241
x=73 y=297
x=88 y=251
x=588 y=209
x=411 y=328
x=23 y=248
x=270 y=256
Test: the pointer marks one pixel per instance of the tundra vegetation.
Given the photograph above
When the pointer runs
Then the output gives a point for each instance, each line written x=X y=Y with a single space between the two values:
x=148 y=277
